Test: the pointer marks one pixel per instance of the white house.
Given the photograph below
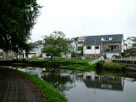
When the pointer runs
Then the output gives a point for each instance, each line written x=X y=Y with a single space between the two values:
x=37 y=50
x=79 y=43
x=103 y=45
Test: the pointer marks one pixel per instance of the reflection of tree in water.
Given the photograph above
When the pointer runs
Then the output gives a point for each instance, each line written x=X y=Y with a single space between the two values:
x=60 y=82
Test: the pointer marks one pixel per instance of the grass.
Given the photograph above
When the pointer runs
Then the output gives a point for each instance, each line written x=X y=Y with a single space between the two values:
x=1 y=57
x=66 y=60
x=49 y=93
x=19 y=59
x=113 y=66
x=67 y=63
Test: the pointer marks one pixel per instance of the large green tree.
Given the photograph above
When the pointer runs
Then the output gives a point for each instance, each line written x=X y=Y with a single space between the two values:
x=55 y=44
x=17 y=18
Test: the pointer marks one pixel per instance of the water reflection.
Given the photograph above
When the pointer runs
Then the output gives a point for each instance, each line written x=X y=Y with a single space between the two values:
x=64 y=80
x=80 y=86
x=92 y=80
x=61 y=80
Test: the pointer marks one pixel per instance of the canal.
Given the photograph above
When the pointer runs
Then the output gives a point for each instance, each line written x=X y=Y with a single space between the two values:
x=79 y=86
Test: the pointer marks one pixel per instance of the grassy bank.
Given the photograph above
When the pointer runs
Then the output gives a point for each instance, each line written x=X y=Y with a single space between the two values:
x=49 y=93
x=68 y=63
x=109 y=65
x=113 y=66
x=79 y=61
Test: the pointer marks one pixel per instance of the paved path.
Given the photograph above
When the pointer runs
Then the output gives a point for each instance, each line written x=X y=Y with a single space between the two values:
x=17 y=88
x=95 y=61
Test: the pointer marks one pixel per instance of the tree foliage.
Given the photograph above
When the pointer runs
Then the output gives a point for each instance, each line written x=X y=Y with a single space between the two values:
x=55 y=44
x=134 y=44
x=17 y=18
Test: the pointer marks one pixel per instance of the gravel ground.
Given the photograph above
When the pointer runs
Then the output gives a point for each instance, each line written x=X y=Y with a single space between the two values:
x=17 y=88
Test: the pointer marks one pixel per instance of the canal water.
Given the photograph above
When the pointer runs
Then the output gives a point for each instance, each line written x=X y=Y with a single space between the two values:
x=79 y=86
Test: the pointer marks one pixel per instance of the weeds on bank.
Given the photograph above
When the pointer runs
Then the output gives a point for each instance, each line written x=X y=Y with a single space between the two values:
x=109 y=65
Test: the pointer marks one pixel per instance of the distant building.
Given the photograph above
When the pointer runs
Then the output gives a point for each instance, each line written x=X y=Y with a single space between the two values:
x=8 y=54
x=72 y=49
x=103 y=45
x=37 y=50
x=78 y=44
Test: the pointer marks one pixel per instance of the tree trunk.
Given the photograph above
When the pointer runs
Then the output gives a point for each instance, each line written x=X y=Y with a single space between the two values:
x=51 y=58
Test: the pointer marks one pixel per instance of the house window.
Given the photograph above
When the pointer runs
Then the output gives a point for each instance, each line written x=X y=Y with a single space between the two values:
x=113 y=48
x=96 y=47
x=106 y=39
x=102 y=39
x=110 y=38
x=88 y=47
x=129 y=43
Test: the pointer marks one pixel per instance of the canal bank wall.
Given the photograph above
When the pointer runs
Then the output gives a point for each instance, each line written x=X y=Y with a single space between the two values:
x=69 y=64
x=129 y=64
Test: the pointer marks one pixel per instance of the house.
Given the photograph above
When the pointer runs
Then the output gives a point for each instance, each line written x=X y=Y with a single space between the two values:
x=7 y=54
x=37 y=50
x=129 y=42
x=79 y=44
x=72 y=49
x=103 y=45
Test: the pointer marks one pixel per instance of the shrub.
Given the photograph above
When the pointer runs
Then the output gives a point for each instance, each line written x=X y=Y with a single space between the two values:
x=99 y=65
x=1 y=57
x=113 y=66
x=19 y=59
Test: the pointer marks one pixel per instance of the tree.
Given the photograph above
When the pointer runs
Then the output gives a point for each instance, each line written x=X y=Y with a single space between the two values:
x=55 y=44
x=17 y=18
x=134 y=44
x=28 y=48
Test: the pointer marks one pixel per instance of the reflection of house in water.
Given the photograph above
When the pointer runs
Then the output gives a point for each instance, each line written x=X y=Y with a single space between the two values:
x=34 y=71
x=93 y=80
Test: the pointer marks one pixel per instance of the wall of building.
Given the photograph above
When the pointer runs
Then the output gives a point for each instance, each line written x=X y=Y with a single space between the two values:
x=91 y=51
x=104 y=48
x=110 y=55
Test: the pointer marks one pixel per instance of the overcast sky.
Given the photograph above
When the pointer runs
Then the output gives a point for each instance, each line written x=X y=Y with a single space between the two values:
x=86 y=17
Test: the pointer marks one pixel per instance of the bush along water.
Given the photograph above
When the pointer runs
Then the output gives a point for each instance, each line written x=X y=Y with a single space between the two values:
x=109 y=66
x=99 y=65
x=113 y=66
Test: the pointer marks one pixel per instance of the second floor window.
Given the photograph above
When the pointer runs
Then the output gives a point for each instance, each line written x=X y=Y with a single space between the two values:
x=113 y=48
x=88 y=47
x=96 y=47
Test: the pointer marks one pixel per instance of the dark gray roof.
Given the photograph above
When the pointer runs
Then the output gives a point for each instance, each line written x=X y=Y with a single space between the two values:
x=96 y=40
